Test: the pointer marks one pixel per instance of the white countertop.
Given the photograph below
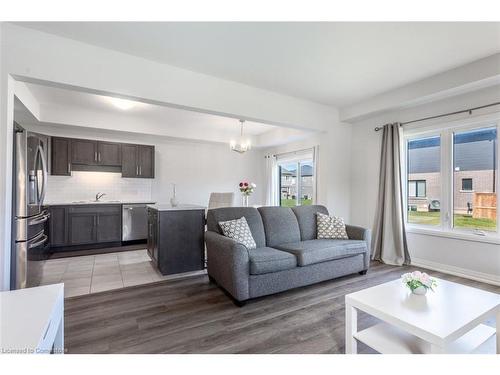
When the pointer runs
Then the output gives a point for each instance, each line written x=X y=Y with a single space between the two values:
x=90 y=202
x=180 y=207
x=28 y=315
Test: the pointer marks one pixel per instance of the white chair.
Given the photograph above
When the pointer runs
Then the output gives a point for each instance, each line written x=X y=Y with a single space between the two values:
x=218 y=200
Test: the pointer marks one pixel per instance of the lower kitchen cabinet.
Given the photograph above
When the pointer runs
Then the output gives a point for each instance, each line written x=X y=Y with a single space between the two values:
x=84 y=225
x=176 y=239
x=58 y=226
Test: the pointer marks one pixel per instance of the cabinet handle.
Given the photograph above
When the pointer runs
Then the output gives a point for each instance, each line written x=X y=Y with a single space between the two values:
x=69 y=167
x=99 y=156
x=97 y=220
x=95 y=156
x=140 y=170
x=137 y=170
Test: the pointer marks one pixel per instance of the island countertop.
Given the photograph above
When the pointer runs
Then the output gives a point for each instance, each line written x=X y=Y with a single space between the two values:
x=180 y=207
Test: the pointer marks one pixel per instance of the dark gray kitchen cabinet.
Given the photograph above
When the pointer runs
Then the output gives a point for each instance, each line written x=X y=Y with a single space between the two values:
x=60 y=156
x=129 y=161
x=82 y=228
x=88 y=152
x=176 y=239
x=109 y=153
x=153 y=235
x=83 y=151
x=58 y=226
x=109 y=226
x=94 y=224
x=138 y=161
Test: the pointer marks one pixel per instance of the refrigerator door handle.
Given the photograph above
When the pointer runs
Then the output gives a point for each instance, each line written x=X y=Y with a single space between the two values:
x=45 y=175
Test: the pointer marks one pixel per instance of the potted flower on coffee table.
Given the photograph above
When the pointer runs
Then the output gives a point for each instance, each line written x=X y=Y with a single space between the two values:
x=419 y=282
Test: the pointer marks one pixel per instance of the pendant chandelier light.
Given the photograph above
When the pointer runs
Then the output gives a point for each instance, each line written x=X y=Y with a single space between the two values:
x=241 y=145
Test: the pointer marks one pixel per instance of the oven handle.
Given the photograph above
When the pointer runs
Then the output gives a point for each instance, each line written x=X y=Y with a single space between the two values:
x=43 y=237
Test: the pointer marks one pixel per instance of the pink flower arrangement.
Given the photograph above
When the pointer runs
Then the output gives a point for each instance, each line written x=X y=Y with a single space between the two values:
x=416 y=279
x=246 y=187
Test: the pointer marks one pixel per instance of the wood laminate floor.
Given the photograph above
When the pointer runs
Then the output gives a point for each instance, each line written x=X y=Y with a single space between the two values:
x=194 y=316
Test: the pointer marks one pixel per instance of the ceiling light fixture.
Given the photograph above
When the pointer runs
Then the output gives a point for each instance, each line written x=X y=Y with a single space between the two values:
x=122 y=103
x=241 y=145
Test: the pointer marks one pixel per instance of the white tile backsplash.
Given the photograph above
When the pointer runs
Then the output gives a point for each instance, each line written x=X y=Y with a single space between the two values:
x=85 y=185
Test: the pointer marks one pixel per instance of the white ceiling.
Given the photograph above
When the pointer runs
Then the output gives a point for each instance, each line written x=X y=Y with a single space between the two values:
x=332 y=63
x=63 y=107
x=178 y=118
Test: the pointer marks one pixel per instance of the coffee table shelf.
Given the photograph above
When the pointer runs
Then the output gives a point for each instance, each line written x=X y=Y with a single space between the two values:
x=385 y=338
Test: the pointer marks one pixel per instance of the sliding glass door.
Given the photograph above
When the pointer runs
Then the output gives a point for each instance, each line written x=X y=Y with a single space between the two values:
x=296 y=182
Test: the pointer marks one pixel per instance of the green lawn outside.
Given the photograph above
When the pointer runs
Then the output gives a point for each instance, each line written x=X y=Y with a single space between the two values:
x=461 y=221
x=292 y=202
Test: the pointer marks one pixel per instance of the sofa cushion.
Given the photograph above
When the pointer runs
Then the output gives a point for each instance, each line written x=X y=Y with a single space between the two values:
x=251 y=215
x=331 y=227
x=316 y=251
x=280 y=225
x=266 y=260
x=239 y=231
x=306 y=217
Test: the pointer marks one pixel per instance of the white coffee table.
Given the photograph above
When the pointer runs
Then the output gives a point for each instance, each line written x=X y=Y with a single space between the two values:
x=448 y=320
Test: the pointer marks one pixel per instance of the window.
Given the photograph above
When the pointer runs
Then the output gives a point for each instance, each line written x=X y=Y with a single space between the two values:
x=424 y=180
x=474 y=153
x=416 y=188
x=467 y=184
x=296 y=179
x=452 y=179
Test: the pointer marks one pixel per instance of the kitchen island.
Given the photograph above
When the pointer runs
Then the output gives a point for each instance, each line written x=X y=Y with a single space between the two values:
x=176 y=237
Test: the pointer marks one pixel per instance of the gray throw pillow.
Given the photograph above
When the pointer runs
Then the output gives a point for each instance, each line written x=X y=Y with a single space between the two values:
x=330 y=227
x=239 y=231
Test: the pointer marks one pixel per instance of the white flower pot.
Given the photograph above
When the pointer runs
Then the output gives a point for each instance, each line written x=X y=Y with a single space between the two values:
x=420 y=291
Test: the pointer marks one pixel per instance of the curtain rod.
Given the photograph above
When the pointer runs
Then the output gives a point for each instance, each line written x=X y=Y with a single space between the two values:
x=443 y=115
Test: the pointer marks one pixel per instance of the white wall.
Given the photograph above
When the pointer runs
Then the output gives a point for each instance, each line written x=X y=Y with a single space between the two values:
x=334 y=165
x=480 y=260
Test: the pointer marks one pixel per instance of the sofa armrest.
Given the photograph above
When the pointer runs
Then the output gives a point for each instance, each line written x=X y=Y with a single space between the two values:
x=228 y=264
x=359 y=233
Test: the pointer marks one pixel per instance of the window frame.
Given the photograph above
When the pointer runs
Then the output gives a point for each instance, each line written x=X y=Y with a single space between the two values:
x=446 y=131
x=471 y=190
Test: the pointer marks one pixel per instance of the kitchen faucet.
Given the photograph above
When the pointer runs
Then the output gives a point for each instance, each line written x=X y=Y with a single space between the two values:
x=99 y=196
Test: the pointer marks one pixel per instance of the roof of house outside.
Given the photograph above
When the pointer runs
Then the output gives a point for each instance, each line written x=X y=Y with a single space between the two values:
x=473 y=151
x=306 y=171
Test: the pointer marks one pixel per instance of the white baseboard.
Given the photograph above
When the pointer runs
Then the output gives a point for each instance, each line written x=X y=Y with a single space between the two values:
x=457 y=271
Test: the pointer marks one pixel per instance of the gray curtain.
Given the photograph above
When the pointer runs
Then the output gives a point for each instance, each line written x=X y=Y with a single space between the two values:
x=389 y=235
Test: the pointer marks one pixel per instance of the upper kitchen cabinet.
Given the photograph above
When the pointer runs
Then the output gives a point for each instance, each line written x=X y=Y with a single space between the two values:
x=83 y=151
x=88 y=152
x=109 y=153
x=138 y=161
x=60 y=156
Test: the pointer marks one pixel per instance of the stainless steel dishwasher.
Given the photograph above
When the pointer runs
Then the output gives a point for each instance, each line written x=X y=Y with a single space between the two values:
x=134 y=222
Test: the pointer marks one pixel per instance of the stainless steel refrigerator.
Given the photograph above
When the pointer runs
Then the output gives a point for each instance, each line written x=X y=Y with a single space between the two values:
x=30 y=221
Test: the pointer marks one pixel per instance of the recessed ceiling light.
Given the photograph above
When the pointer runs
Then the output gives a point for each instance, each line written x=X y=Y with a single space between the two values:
x=122 y=103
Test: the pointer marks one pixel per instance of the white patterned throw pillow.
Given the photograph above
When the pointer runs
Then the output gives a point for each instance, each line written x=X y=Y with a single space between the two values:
x=331 y=227
x=239 y=231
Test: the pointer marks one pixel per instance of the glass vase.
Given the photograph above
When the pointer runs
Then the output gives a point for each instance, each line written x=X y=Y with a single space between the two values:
x=244 y=200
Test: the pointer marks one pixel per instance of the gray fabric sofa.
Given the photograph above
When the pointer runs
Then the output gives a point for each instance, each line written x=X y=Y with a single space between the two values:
x=287 y=256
